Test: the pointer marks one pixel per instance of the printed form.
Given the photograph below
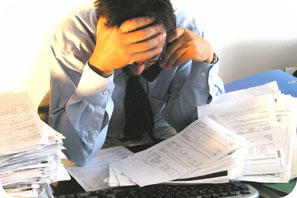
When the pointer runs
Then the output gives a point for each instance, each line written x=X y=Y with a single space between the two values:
x=254 y=119
x=268 y=88
x=19 y=123
x=198 y=146
x=286 y=121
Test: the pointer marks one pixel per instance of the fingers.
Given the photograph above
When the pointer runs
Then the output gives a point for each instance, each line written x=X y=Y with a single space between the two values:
x=140 y=29
x=143 y=56
x=183 y=46
x=178 y=44
x=144 y=34
x=176 y=34
x=102 y=21
x=145 y=43
x=156 y=41
x=135 y=23
x=136 y=40
x=177 y=57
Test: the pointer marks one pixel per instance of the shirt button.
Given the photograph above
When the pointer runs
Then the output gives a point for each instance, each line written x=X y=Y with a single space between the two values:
x=105 y=92
x=203 y=74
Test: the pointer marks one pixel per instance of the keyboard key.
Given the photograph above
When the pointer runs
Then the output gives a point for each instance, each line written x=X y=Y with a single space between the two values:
x=206 y=196
x=245 y=192
x=236 y=188
x=244 y=187
x=215 y=195
x=233 y=193
x=122 y=194
x=224 y=194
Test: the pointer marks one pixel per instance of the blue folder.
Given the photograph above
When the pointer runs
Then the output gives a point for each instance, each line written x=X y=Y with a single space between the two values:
x=282 y=78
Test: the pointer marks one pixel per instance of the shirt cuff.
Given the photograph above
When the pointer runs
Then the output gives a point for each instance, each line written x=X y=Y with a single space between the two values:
x=94 y=87
x=208 y=83
x=209 y=76
x=215 y=82
x=201 y=69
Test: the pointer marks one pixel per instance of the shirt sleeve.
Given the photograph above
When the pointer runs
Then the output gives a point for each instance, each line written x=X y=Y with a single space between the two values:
x=194 y=84
x=80 y=106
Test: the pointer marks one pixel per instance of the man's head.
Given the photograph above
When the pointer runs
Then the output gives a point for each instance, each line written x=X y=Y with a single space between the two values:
x=118 y=11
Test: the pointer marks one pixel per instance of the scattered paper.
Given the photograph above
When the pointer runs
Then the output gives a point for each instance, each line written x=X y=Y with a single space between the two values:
x=3 y=193
x=94 y=176
x=199 y=145
x=267 y=119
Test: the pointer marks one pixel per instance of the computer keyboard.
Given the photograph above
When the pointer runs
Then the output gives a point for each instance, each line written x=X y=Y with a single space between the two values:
x=226 y=190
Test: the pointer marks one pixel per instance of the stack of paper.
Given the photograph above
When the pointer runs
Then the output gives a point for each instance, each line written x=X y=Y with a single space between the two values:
x=200 y=147
x=30 y=151
x=245 y=135
x=267 y=119
x=198 y=150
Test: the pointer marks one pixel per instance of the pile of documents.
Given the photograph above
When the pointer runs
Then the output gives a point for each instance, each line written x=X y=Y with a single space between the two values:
x=244 y=135
x=267 y=119
x=198 y=150
x=30 y=151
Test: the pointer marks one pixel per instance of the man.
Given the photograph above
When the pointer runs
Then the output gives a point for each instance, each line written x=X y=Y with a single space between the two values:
x=97 y=52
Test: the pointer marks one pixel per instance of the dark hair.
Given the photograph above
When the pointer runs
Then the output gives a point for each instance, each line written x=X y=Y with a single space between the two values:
x=118 y=11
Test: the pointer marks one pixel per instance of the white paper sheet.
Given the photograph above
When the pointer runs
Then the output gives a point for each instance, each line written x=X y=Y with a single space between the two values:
x=232 y=164
x=30 y=151
x=19 y=123
x=93 y=176
x=294 y=162
x=117 y=177
x=3 y=194
x=271 y=88
x=203 y=142
x=286 y=115
x=255 y=120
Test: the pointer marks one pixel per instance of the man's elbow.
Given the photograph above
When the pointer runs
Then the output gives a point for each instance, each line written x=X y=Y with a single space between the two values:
x=80 y=158
x=81 y=152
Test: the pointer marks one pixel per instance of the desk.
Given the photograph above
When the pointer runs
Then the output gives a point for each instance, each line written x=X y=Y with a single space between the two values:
x=282 y=79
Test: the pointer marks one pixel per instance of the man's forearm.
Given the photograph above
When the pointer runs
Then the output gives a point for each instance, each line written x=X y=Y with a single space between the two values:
x=181 y=108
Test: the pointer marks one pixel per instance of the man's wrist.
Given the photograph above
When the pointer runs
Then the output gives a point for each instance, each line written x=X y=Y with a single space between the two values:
x=104 y=74
x=214 y=59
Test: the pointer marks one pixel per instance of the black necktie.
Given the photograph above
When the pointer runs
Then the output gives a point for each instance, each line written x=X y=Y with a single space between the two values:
x=138 y=112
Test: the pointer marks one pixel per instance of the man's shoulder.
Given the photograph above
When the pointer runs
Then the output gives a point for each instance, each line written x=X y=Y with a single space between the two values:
x=187 y=20
x=77 y=27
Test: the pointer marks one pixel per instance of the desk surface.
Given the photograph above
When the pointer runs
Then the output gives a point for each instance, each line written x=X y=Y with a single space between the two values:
x=282 y=79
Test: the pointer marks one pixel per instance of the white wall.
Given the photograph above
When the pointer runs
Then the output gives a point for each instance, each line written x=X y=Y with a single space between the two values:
x=25 y=31
x=250 y=36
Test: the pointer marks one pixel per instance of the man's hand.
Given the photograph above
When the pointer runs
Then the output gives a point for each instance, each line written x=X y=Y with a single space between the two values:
x=185 y=45
x=117 y=47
